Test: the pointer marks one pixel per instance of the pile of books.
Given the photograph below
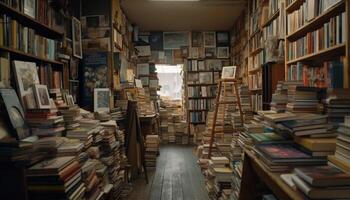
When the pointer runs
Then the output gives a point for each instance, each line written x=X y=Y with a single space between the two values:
x=164 y=116
x=152 y=150
x=322 y=182
x=341 y=158
x=45 y=122
x=280 y=98
x=337 y=105
x=71 y=116
x=57 y=178
x=303 y=99
x=243 y=92
x=181 y=135
x=218 y=176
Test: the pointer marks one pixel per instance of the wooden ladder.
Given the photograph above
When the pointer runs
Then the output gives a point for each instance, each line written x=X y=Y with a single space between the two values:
x=222 y=83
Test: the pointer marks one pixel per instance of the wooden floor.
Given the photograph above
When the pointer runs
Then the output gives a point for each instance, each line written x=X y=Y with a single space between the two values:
x=176 y=177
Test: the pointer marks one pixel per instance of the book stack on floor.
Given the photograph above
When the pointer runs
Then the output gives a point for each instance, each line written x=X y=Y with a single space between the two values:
x=164 y=116
x=117 y=114
x=337 y=105
x=218 y=177
x=303 y=100
x=243 y=92
x=236 y=167
x=321 y=182
x=57 y=178
x=103 y=116
x=71 y=116
x=342 y=152
x=175 y=122
x=45 y=122
x=280 y=98
x=244 y=138
x=152 y=150
x=181 y=135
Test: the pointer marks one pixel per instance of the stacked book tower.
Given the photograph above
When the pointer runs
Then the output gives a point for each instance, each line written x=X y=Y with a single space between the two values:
x=280 y=98
x=164 y=117
x=152 y=150
x=218 y=177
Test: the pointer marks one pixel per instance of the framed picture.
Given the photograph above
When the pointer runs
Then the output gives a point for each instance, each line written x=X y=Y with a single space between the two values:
x=197 y=39
x=156 y=41
x=138 y=83
x=26 y=76
x=222 y=38
x=223 y=52
x=42 y=96
x=228 y=72
x=76 y=35
x=174 y=40
x=101 y=99
x=209 y=39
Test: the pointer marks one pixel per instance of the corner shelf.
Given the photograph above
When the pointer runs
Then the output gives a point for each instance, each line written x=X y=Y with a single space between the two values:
x=41 y=29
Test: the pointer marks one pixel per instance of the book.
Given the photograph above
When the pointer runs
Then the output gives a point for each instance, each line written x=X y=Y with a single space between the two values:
x=266 y=137
x=317 y=144
x=323 y=176
x=287 y=178
x=52 y=166
x=321 y=193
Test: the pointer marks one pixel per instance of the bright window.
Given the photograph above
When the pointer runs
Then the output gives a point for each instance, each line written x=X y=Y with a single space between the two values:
x=170 y=80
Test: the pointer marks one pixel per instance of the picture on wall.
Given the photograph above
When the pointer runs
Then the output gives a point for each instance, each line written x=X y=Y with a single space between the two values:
x=222 y=38
x=156 y=41
x=76 y=35
x=101 y=99
x=197 y=39
x=175 y=40
x=42 y=96
x=209 y=39
x=223 y=52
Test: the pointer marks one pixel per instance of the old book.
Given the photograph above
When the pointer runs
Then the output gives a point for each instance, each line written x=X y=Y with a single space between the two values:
x=52 y=166
x=317 y=144
x=323 y=176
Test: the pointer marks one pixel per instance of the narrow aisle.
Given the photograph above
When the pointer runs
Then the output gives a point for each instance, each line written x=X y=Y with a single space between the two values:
x=176 y=177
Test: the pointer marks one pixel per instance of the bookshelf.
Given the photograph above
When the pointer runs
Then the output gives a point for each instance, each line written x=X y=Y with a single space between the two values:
x=323 y=34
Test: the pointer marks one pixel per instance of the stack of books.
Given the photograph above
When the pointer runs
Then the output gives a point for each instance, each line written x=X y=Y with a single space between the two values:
x=57 y=178
x=12 y=150
x=164 y=116
x=337 y=105
x=282 y=157
x=181 y=135
x=243 y=92
x=152 y=150
x=219 y=176
x=71 y=116
x=280 y=98
x=303 y=100
x=341 y=158
x=70 y=147
x=45 y=122
x=322 y=182
x=244 y=139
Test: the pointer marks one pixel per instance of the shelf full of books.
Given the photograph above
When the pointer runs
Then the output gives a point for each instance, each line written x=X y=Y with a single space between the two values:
x=317 y=42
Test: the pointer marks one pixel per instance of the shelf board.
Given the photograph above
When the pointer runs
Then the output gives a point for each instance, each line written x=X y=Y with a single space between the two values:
x=256 y=51
x=271 y=18
x=254 y=33
x=201 y=84
x=203 y=71
x=197 y=122
x=213 y=97
x=294 y=5
x=256 y=89
x=29 y=57
x=198 y=110
x=40 y=28
x=318 y=21
x=322 y=55
x=255 y=70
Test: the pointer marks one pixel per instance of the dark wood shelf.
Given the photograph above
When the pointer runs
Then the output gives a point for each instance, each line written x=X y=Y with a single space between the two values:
x=201 y=84
x=271 y=18
x=213 y=97
x=318 y=21
x=251 y=71
x=29 y=57
x=254 y=33
x=256 y=51
x=203 y=71
x=323 y=55
x=294 y=5
x=30 y=22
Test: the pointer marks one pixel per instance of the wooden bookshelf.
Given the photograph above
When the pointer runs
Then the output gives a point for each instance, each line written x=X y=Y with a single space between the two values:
x=320 y=56
x=201 y=84
x=201 y=97
x=271 y=19
x=256 y=51
x=294 y=5
x=30 y=57
x=41 y=29
x=318 y=21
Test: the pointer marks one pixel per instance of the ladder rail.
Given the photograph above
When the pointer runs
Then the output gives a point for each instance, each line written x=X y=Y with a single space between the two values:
x=214 y=119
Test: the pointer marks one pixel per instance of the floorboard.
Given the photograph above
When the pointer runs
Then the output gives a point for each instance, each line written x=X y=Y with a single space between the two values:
x=177 y=177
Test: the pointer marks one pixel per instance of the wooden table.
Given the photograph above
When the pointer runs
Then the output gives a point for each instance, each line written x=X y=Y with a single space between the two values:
x=253 y=171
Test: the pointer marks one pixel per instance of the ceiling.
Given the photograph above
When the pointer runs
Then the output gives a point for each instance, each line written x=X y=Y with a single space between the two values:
x=183 y=16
